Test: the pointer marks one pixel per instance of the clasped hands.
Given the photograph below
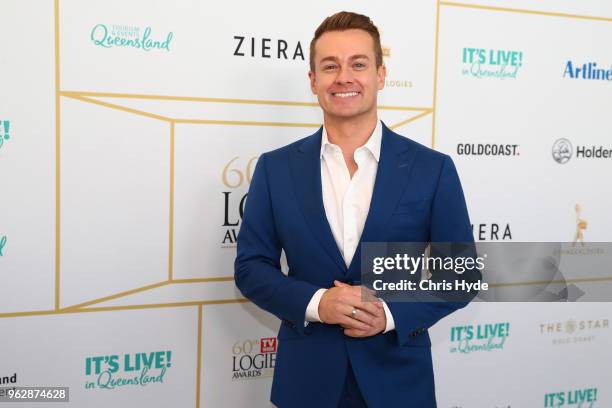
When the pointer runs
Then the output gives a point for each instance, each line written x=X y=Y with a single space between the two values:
x=343 y=305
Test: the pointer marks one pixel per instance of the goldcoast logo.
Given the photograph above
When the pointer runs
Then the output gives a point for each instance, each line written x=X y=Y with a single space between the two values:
x=481 y=337
x=236 y=177
x=491 y=63
x=128 y=36
x=5 y=126
x=131 y=369
x=254 y=358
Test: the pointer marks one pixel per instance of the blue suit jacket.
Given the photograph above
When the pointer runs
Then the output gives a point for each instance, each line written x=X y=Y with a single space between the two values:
x=417 y=198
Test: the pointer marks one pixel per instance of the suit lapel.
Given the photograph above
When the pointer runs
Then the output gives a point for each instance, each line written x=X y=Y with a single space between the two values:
x=394 y=167
x=305 y=166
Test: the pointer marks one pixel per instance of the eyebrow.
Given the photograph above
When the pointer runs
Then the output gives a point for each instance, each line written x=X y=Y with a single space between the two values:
x=352 y=58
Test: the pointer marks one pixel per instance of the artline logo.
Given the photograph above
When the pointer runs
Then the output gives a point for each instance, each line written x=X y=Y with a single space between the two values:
x=254 y=358
x=487 y=149
x=267 y=48
x=572 y=331
x=482 y=337
x=586 y=71
x=5 y=127
x=491 y=63
x=128 y=36
x=2 y=244
x=492 y=232
x=131 y=369
x=583 y=398
x=237 y=180
x=562 y=151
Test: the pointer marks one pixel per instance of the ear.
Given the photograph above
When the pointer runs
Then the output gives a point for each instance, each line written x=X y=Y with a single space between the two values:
x=313 y=82
x=381 y=73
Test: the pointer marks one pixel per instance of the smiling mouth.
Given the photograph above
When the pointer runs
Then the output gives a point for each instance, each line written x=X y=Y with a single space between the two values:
x=345 y=94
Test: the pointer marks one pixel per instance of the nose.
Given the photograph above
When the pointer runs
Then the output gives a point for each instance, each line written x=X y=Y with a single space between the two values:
x=344 y=76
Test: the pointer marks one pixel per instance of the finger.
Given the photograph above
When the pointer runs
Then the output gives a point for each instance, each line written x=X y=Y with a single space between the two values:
x=365 y=317
x=356 y=333
x=341 y=284
x=370 y=308
x=349 y=322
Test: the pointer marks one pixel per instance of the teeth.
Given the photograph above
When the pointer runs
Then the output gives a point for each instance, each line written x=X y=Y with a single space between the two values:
x=346 y=94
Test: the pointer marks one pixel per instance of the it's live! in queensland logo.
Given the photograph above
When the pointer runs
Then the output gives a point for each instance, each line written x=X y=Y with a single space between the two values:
x=480 y=337
x=491 y=63
x=130 y=369
x=114 y=35
x=580 y=398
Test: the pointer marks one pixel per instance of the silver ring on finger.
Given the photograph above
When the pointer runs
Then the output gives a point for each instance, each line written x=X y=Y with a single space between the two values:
x=354 y=313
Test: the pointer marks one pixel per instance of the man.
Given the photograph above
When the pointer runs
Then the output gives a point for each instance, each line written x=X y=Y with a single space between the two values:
x=352 y=181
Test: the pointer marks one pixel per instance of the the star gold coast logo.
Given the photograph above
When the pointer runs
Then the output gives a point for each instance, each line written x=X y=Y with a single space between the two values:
x=573 y=331
x=254 y=358
x=236 y=178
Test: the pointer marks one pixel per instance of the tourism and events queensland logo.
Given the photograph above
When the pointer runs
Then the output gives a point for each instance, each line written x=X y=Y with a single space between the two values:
x=5 y=128
x=480 y=337
x=127 y=370
x=491 y=63
x=575 y=398
x=254 y=358
x=116 y=35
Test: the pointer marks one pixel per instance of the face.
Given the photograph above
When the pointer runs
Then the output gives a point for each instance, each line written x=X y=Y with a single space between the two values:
x=346 y=80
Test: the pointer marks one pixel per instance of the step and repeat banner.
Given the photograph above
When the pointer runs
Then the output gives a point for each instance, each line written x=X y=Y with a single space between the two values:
x=129 y=132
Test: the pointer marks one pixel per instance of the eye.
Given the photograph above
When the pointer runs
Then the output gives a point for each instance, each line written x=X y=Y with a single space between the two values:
x=329 y=67
x=359 y=65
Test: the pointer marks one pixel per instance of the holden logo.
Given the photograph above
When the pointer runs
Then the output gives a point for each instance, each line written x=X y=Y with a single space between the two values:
x=562 y=151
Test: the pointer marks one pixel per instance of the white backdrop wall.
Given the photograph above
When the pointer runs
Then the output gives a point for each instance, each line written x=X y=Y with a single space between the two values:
x=124 y=170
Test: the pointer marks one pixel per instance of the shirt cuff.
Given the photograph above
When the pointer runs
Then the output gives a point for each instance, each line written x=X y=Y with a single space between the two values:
x=312 y=310
x=390 y=322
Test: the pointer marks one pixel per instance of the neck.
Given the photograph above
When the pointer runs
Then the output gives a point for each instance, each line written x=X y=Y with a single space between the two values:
x=351 y=133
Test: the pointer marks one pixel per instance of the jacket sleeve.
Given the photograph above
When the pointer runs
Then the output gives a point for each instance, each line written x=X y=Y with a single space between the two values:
x=449 y=223
x=257 y=269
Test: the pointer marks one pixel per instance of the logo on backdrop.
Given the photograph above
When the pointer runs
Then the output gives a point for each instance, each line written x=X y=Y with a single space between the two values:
x=480 y=337
x=562 y=151
x=588 y=70
x=8 y=380
x=245 y=46
x=492 y=232
x=580 y=398
x=114 y=35
x=254 y=358
x=128 y=370
x=491 y=63
x=573 y=331
x=393 y=82
x=236 y=177
x=487 y=149
x=5 y=129
x=2 y=244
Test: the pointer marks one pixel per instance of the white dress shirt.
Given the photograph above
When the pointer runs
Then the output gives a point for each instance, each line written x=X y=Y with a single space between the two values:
x=347 y=201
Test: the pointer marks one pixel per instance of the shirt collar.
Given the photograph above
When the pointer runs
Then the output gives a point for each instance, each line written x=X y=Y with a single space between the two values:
x=373 y=143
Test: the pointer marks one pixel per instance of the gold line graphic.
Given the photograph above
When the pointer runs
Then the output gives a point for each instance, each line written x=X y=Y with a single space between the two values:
x=245 y=123
x=412 y=119
x=218 y=100
x=199 y=280
x=57 y=156
x=119 y=107
x=126 y=307
x=199 y=361
x=525 y=11
x=435 y=78
x=118 y=295
x=171 y=215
